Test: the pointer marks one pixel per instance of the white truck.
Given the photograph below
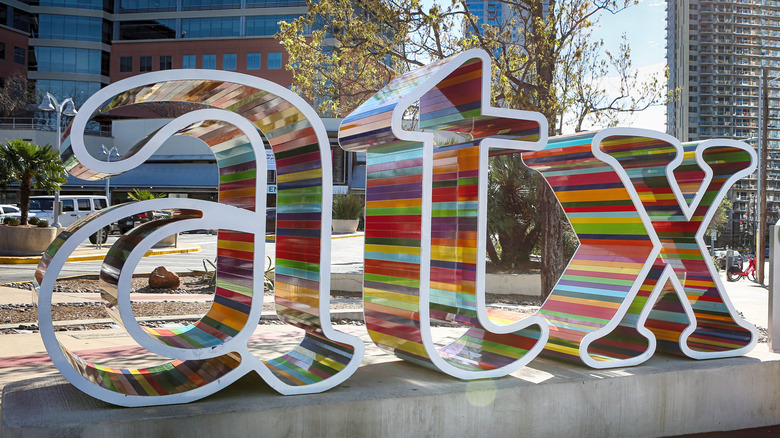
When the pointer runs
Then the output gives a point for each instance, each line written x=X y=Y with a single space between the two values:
x=74 y=207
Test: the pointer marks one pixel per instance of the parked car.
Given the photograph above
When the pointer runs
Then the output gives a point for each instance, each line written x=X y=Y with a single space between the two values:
x=7 y=210
x=74 y=207
x=133 y=221
x=721 y=256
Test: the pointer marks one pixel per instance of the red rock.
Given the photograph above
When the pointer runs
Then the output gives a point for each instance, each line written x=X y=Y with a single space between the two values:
x=162 y=278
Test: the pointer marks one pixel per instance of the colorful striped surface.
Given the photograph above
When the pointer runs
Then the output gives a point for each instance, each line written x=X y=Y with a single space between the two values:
x=637 y=201
x=422 y=223
x=614 y=248
x=244 y=106
x=717 y=330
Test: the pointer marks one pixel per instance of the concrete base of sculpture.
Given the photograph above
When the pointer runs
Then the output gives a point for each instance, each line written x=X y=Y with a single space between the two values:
x=25 y=241
x=385 y=397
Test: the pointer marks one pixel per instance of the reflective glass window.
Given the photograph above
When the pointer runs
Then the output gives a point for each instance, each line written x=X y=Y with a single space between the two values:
x=188 y=61
x=253 y=61
x=229 y=61
x=266 y=25
x=210 y=27
x=147 y=30
x=146 y=5
x=197 y=5
x=2 y=50
x=21 y=20
x=68 y=27
x=166 y=62
x=274 y=60
x=209 y=61
x=145 y=64
x=19 y=57
x=274 y=3
x=126 y=64
x=105 y=5
x=79 y=91
x=69 y=60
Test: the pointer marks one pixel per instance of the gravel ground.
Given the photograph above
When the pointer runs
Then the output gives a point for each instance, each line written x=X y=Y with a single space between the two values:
x=26 y=315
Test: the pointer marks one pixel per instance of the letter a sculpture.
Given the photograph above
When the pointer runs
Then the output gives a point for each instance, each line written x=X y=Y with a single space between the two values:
x=638 y=200
x=228 y=111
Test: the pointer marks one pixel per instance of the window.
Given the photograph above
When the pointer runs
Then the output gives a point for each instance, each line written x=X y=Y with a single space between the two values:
x=166 y=62
x=253 y=61
x=274 y=60
x=99 y=203
x=267 y=25
x=145 y=64
x=210 y=27
x=84 y=204
x=147 y=30
x=229 y=61
x=209 y=61
x=196 y=5
x=2 y=50
x=70 y=60
x=188 y=61
x=67 y=205
x=19 y=56
x=146 y=6
x=126 y=64
x=72 y=28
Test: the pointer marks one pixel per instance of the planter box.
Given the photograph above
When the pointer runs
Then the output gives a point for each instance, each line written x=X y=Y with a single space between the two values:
x=170 y=241
x=25 y=241
x=345 y=225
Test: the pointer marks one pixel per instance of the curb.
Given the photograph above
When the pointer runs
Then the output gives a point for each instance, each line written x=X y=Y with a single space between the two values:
x=31 y=260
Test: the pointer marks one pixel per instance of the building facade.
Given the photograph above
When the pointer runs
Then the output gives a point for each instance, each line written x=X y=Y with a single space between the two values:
x=716 y=52
x=73 y=48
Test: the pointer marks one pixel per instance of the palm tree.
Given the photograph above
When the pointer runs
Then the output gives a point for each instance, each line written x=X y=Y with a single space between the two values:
x=31 y=166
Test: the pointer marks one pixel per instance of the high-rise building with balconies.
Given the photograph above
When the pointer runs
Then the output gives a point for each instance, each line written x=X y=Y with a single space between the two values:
x=716 y=51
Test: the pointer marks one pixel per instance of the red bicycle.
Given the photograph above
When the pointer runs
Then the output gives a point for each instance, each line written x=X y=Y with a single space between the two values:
x=734 y=273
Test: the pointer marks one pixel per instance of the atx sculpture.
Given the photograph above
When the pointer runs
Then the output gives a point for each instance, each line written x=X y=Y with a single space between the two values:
x=638 y=200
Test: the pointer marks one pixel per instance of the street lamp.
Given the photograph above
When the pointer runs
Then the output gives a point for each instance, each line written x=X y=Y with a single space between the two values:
x=108 y=153
x=68 y=108
x=763 y=155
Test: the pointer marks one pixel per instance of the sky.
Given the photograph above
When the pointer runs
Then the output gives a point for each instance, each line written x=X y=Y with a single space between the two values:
x=644 y=25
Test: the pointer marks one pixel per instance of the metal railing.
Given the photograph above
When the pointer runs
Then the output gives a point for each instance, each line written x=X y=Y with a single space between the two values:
x=32 y=123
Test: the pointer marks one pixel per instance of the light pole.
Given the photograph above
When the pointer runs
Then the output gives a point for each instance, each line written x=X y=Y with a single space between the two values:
x=108 y=153
x=68 y=108
x=763 y=155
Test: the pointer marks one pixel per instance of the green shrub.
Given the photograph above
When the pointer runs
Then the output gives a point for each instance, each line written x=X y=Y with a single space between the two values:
x=12 y=221
x=42 y=223
x=33 y=221
x=349 y=206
